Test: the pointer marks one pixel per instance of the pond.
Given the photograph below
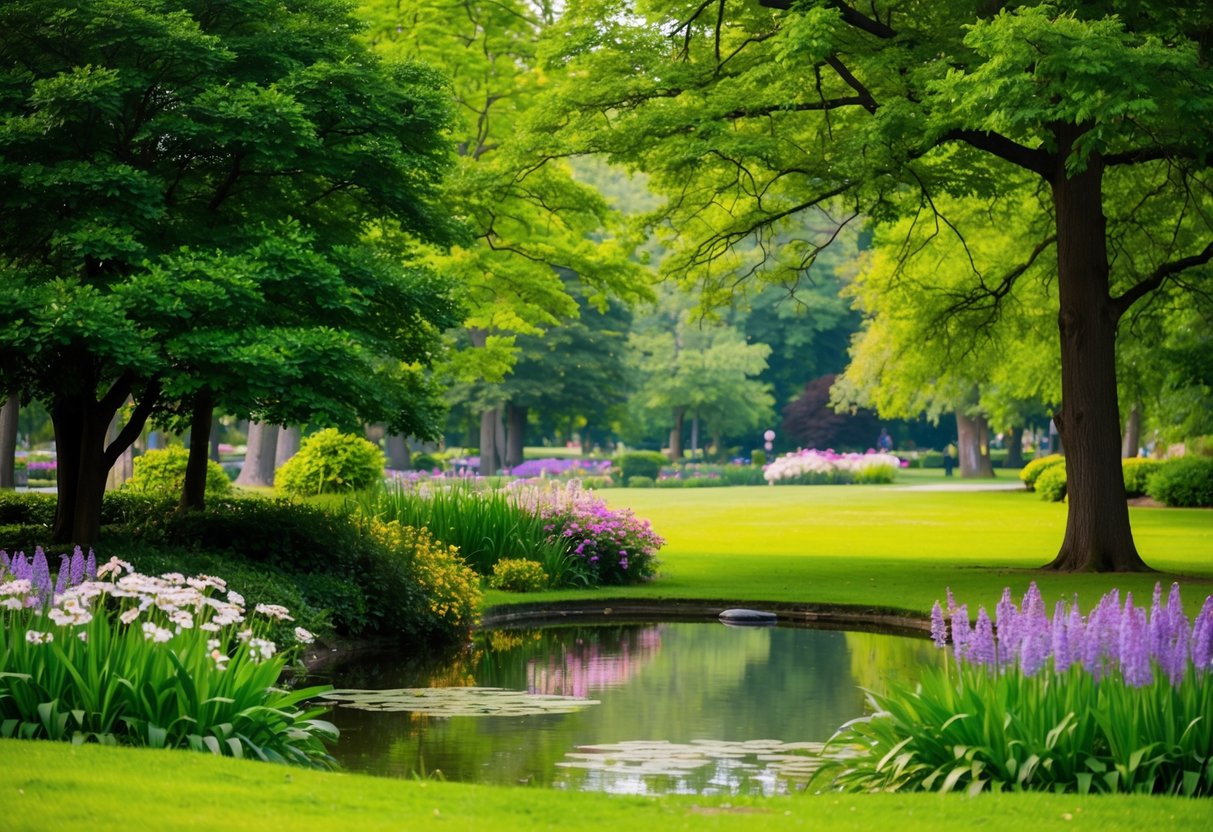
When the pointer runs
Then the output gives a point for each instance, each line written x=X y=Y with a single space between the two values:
x=627 y=708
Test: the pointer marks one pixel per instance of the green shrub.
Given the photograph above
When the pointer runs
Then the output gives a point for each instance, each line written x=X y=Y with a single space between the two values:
x=450 y=588
x=516 y=575
x=427 y=462
x=640 y=482
x=1051 y=484
x=330 y=462
x=162 y=472
x=1186 y=482
x=26 y=509
x=1037 y=466
x=595 y=483
x=639 y=464
x=758 y=459
x=1137 y=471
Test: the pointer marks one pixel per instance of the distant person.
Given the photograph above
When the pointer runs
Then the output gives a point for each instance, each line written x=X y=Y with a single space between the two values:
x=885 y=442
x=949 y=462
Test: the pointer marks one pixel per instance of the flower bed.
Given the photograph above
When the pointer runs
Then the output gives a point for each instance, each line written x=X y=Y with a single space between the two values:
x=812 y=467
x=108 y=655
x=1117 y=701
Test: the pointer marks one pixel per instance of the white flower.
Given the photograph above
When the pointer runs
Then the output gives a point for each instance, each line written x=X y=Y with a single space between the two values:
x=244 y=635
x=220 y=659
x=235 y=597
x=275 y=611
x=304 y=636
x=209 y=626
x=182 y=619
x=12 y=603
x=35 y=637
x=129 y=616
x=212 y=643
x=156 y=634
x=83 y=636
x=173 y=577
x=21 y=587
x=260 y=648
x=115 y=566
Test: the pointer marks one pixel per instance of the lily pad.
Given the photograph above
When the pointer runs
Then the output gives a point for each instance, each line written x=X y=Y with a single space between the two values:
x=447 y=702
x=792 y=760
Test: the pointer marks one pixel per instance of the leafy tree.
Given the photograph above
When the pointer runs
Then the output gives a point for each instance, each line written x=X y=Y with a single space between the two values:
x=811 y=421
x=754 y=120
x=696 y=368
x=528 y=220
x=209 y=204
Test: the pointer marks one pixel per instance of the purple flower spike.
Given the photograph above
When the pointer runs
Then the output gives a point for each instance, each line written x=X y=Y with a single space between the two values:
x=961 y=632
x=1007 y=617
x=90 y=566
x=65 y=566
x=1134 y=652
x=5 y=563
x=1202 y=638
x=982 y=650
x=41 y=574
x=20 y=566
x=76 y=576
x=939 y=629
x=950 y=600
x=1059 y=633
x=1158 y=623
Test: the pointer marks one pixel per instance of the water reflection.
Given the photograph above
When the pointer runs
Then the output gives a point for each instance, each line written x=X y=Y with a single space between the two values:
x=694 y=708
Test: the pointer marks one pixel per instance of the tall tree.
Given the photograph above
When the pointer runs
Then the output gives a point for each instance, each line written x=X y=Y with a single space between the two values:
x=168 y=173
x=755 y=118
x=10 y=412
x=528 y=218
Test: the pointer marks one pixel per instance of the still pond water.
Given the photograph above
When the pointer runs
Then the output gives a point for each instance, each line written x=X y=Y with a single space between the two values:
x=659 y=708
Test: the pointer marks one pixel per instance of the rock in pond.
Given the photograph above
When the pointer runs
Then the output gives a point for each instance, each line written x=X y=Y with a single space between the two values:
x=749 y=618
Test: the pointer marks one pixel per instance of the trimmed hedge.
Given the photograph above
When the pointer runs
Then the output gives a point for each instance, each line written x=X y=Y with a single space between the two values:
x=639 y=464
x=1051 y=484
x=1137 y=473
x=1186 y=482
x=1038 y=466
x=331 y=462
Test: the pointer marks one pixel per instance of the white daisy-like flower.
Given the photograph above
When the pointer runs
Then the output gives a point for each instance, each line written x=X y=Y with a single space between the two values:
x=15 y=587
x=129 y=615
x=35 y=637
x=220 y=659
x=304 y=636
x=83 y=636
x=209 y=627
x=235 y=597
x=12 y=604
x=275 y=611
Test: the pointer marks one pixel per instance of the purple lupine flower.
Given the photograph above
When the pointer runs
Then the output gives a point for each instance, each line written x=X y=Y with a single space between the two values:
x=4 y=562
x=90 y=566
x=76 y=576
x=951 y=601
x=20 y=567
x=939 y=629
x=961 y=632
x=40 y=575
x=1174 y=656
x=1075 y=633
x=65 y=565
x=1035 y=641
x=1007 y=617
x=1060 y=638
x=1158 y=623
x=982 y=650
x=1202 y=637
x=1102 y=635
x=1134 y=647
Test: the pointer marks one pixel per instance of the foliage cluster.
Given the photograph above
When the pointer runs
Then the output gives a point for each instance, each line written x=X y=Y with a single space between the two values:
x=518 y=575
x=639 y=464
x=168 y=662
x=811 y=467
x=709 y=475
x=1032 y=471
x=331 y=462
x=1116 y=701
x=451 y=589
x=162 y=472
x=1051 y=484
x=1137 y=472
x=1185 y=482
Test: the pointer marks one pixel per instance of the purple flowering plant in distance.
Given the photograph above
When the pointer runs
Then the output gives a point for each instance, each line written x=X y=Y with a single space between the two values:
x=1117 y=700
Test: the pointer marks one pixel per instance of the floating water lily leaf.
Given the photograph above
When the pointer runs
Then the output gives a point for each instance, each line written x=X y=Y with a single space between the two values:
x=790 y=760
x=458 y=701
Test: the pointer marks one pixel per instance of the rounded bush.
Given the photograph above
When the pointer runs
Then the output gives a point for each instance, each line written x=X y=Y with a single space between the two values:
x=518 y=575
x=639 y=464
x=1036 y=467
x=1051 y=484
x=758 y=458
x=330 y=462
x=1186 y=482
x=641 y=482
x=1137 y=473
x=427 y=462
x=161 y=473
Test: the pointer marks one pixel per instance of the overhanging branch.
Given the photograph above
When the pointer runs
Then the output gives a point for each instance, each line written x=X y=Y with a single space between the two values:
x=1158 y=277
x=850 y=16
x=1036 y=160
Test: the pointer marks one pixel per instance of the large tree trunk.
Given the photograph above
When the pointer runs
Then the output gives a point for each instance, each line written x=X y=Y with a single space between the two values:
x=515 y=434
x=490 y=450
x=287 y=447
x=1098 y=536
x=84 y=457
x=8 y=440
x=973 y=446
x=1132 y=436
x=1014 y=448
x=262 y=444
x=676 y=434
x=193 y=493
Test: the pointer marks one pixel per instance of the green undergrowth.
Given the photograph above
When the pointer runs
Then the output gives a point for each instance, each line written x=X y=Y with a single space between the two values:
x=111 y=789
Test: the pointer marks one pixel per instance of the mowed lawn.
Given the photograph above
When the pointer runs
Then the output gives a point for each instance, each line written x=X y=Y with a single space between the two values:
x=893 y=546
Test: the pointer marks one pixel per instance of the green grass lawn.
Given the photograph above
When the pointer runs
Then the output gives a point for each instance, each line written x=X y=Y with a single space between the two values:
x=885 y=546
x=872 y=546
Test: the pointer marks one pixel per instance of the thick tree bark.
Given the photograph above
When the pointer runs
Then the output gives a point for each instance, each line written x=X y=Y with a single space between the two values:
x=287 y=447
x=262 y=444
x=676 y=434
x=1098 y=535
x=1014 y=448
x=490 y=450
x=515 y=434
x=1131 y=442
x=8 y=440
x=973 y=447
x=399 y=458
x=193 y=493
